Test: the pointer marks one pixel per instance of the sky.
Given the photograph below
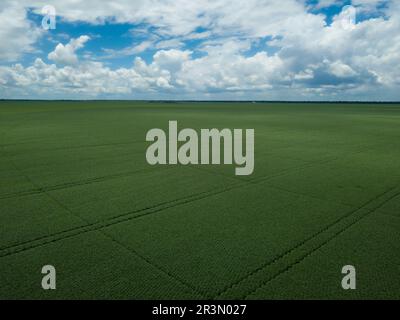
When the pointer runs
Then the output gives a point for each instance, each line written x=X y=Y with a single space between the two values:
x=331 y=50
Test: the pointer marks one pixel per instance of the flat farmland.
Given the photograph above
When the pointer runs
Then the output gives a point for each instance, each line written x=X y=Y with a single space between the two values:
x=77 y=193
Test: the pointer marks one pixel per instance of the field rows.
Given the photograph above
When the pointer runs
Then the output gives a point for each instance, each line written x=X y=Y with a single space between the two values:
x=77 y=193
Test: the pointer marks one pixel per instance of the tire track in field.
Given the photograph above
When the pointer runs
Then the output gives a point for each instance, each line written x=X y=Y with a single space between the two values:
x=128 y=155
x=134 y=252
x=43 y=190
x=304 y=165
x=9 y=250
x=131 y=251
x=309 y=164
x=23 y=246
x=97 y=227
x=335 y=235
x=39 y=190
x=114 y=176
x=164 y=271
x=255 y=280
x=157 y=208
x=60 y=186
x=72 y=147
x=89 y=228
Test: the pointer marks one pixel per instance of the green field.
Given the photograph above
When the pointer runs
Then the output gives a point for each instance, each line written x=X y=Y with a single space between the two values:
x=77 y=193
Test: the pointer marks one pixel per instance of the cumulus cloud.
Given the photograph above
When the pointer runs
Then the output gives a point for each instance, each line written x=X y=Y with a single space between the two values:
x=66 y=54
x=300 y=54
x=17 y=34
x=171 y=71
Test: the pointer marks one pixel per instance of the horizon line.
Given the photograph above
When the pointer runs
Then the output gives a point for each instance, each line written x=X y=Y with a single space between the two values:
x=204 y=101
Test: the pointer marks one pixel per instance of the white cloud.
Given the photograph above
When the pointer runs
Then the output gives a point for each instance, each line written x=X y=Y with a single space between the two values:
x=171 y=70
x=309 y=58
x=66 y=54
x=183 y=18
x=17 y=34
x=341 y=70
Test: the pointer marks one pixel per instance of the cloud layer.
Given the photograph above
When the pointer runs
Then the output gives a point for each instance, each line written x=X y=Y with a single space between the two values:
x=256 y=49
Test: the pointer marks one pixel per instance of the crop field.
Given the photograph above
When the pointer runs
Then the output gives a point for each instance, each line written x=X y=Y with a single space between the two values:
x=77 y=193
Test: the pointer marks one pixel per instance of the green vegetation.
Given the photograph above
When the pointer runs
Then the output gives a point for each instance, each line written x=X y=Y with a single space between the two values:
x=76 y=192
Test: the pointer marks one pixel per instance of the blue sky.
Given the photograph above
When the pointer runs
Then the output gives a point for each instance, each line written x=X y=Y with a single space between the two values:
x=258 y=50
x=117 y=36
